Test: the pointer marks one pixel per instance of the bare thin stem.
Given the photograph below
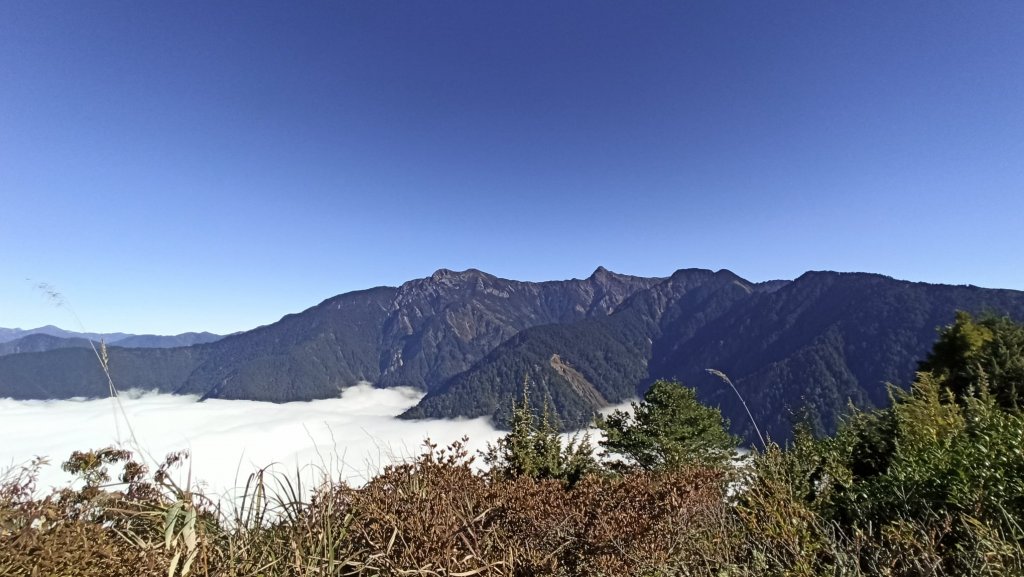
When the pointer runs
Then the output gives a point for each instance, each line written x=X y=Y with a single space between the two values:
x=725 y=378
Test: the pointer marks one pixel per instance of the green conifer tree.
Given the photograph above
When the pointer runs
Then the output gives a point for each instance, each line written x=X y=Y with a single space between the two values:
x=669 y=429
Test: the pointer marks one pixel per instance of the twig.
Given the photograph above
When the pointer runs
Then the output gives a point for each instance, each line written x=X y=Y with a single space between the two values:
x=725 y=378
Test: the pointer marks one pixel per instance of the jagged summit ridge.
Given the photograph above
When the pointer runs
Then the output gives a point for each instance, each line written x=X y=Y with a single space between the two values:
x=448 y=275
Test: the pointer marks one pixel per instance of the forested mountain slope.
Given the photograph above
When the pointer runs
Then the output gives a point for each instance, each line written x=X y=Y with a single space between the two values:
x=469 y=339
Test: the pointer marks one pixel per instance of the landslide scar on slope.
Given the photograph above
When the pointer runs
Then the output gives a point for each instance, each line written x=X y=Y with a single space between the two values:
x=584 y=388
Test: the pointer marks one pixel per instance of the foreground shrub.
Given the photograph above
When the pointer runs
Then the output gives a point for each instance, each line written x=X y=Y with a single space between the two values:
x=778 y=509
x=954 y=477
x=639 y=524
x=425 y=516
x=150 y=527
x=436 y=515
x=933 y=485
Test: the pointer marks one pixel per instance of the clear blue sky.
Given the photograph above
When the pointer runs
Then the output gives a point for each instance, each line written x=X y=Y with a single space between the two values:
x=173 y=166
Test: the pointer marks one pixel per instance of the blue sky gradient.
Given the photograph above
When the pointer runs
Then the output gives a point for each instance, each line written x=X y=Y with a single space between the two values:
x=175 y=166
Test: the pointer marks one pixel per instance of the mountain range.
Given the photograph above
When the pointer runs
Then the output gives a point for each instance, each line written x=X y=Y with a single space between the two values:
x=51 y=337
x=810 y=346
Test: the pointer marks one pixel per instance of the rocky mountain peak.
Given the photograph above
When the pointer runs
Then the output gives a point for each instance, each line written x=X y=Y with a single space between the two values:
x=604 y=275
x=451 y=276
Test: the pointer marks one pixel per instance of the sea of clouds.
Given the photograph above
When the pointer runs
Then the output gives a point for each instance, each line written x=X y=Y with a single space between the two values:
x=351 y=438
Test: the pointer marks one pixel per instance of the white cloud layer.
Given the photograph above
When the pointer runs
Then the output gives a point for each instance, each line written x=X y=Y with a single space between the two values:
x=353 y=437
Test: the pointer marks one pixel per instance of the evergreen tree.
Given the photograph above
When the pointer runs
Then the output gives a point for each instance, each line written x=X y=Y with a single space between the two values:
x=669 y=429
x=533 y=447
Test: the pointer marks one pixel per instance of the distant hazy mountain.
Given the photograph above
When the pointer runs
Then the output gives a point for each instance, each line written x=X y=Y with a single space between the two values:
x=78 y=339
x=42 y=339
x=468 y=339
x=166 y=341
x=40 y=342
x=12 y=334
